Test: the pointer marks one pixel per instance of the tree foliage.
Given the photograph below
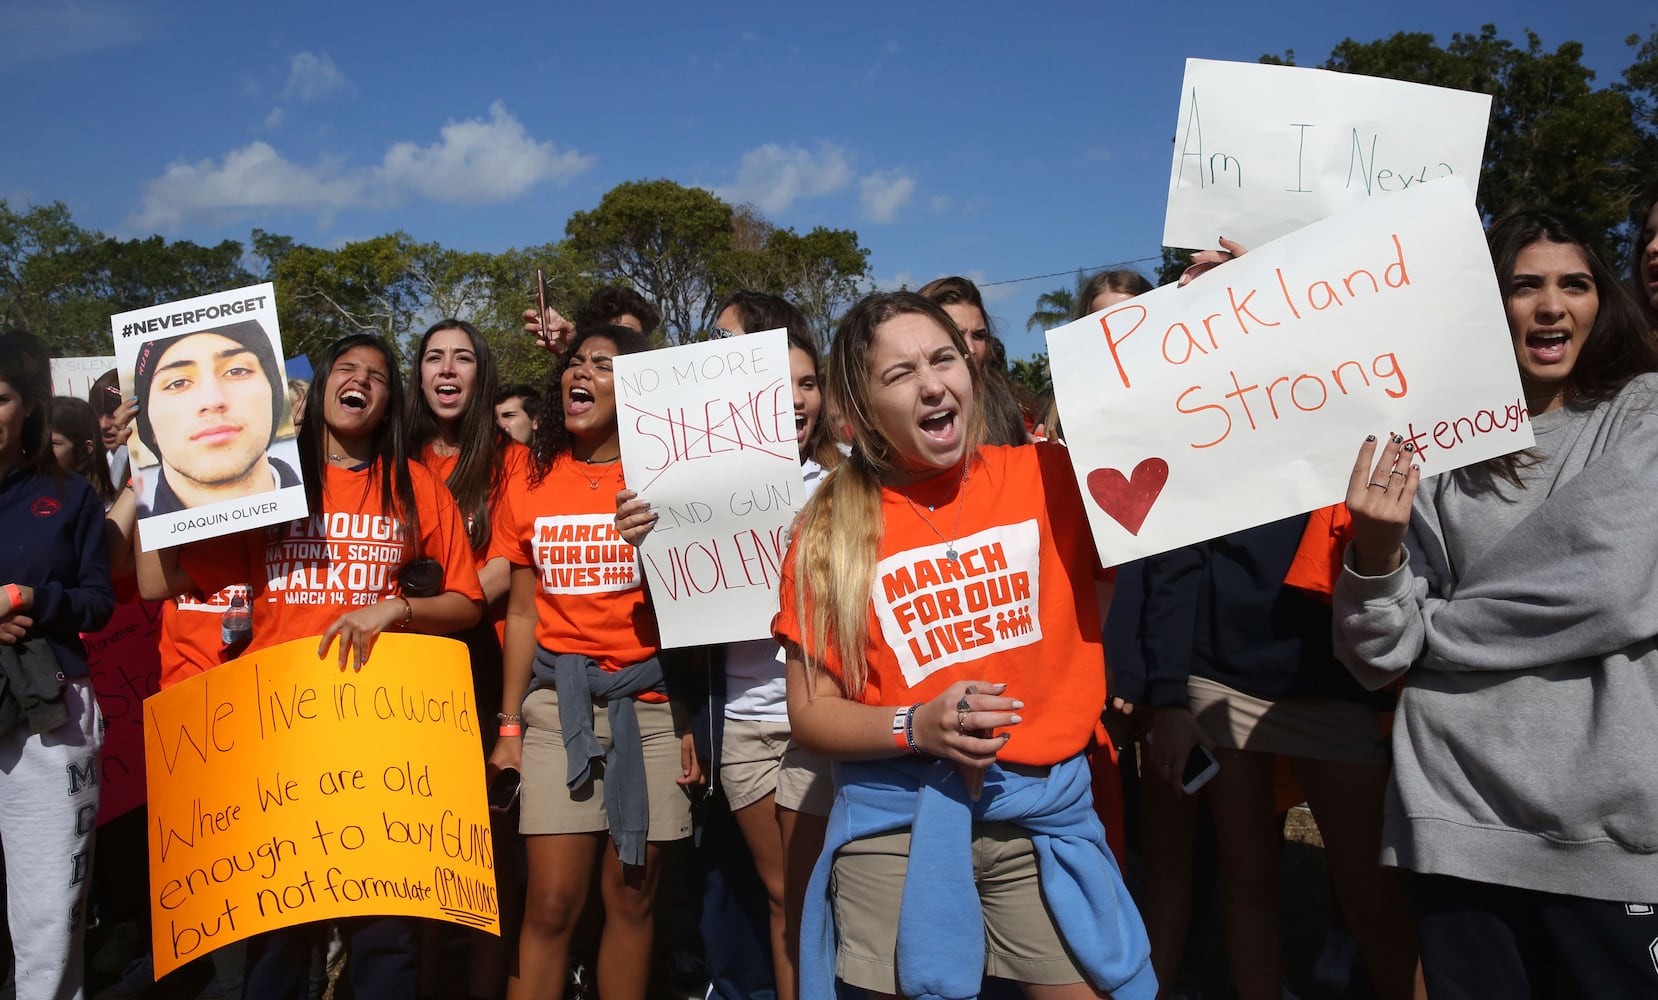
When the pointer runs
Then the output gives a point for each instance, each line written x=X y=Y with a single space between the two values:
x=1032 y=373
x=64 y=282
x=681 y=247
x=684 y=249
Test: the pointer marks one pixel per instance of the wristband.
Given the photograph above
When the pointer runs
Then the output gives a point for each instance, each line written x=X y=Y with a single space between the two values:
x=899 y=729
x=408 y=614
x=512 y=729
x=14 y=595
x=504 y=717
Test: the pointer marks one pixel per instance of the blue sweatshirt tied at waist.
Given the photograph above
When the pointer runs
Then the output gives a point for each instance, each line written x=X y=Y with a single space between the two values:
x=941 y=956
x=580 y=682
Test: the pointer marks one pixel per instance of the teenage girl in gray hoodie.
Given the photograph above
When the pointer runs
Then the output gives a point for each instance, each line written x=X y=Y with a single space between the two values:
x=1519 y=600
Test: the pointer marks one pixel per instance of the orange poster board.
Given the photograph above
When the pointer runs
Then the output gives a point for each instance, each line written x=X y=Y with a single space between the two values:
x=284 y=791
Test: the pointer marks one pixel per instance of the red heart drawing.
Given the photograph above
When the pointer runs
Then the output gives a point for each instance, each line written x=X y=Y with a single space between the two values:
x=1129 y=500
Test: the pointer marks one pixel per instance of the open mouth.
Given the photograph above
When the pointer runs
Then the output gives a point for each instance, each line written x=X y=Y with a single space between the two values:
x=449 y=394
x=1547 y=346
x=940 y=425
x=353 y=401
x=578 y=400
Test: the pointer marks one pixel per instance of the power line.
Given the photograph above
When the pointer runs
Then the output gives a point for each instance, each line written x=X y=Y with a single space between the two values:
x=1055 y=274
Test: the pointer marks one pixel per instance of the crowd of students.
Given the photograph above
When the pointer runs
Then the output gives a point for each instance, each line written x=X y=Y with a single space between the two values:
x=1456 y=672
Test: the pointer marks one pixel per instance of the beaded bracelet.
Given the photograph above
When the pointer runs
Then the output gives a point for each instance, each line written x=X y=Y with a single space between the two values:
x=903 y=730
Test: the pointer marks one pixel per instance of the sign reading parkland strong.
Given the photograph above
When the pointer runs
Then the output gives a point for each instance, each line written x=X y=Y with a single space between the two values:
x=1243 y=397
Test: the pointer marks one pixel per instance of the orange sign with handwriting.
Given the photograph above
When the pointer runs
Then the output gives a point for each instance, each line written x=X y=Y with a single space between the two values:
x=283 y=791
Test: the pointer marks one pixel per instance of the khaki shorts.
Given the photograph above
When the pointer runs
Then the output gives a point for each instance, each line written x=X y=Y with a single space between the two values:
x=1332 y=729
x=751 y=753
x=805 y=782
x=547 y=806
x=1021 y=943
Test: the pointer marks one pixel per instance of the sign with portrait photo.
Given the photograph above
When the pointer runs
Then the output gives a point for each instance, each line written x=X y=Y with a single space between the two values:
x=213 y=449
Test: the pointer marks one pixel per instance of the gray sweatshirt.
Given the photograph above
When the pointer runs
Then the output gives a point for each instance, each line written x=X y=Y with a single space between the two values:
x=1526 y=742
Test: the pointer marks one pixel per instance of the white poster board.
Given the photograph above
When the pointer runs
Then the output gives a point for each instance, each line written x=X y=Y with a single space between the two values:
x=1243 y=397
x=213 y=449
x=1260 y=151
x=708 y=439
x=74 y=376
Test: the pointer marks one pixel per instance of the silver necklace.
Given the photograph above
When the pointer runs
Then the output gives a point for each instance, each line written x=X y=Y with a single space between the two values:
x=950 y=552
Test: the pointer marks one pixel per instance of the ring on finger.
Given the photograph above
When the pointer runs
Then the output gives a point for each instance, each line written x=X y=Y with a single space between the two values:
x=1379 y=486
x=1396 y=472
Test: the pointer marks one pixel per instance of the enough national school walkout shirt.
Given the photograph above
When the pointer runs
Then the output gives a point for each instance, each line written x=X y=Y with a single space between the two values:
x=590 y=596
x=1019 y=607
x=305 y=574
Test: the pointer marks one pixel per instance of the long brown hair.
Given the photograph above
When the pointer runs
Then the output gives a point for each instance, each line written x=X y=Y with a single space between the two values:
x=838 y=542
x=478 y=469
x=1621 y=344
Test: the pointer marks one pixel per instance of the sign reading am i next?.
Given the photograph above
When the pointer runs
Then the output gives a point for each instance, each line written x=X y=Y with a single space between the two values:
x=1260 y=151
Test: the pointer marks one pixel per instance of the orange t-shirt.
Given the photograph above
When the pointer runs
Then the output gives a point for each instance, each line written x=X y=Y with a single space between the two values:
x=191 y=637
x=515 y=465
x=305 y=574
x=591 y=598
x=1019 y=607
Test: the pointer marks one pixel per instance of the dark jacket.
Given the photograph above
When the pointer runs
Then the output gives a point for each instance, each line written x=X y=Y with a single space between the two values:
x=52 y=539
x=1219 y=610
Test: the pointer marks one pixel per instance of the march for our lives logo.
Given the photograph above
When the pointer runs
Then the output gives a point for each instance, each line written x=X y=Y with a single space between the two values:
x=936 y=611
x=45 y=507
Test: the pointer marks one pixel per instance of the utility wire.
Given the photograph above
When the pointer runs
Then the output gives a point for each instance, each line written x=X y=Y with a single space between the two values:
x=1055 y=274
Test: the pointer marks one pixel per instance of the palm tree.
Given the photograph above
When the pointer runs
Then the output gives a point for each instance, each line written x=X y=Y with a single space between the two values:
x=1052 y=309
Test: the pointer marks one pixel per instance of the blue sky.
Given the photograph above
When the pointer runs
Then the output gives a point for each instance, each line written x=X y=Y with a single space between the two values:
x=997 y=141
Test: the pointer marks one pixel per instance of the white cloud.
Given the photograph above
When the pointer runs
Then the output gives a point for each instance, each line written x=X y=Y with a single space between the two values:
x=478 y=161
x=275 y=118
x=472 y=162
x=884 y=192
x=940 y=204
x=311 y=76
x=253 y=177
x=774 y=177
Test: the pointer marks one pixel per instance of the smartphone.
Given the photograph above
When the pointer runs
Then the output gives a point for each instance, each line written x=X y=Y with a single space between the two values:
x=541 y=300
x=1201 y=765
x=503 y=789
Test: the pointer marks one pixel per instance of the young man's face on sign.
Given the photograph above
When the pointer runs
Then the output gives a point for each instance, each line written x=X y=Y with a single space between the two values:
x=211 y=410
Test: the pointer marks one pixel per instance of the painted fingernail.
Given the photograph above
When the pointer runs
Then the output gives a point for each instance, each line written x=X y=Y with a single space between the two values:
x=1018 y=704
x=1370 y=437
x=1417 y=468
x=1397 y=439
x=1017 y=719
x=1411 y=446
x=999 y=687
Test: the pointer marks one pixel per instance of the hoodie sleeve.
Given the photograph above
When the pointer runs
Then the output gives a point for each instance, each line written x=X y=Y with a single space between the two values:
x=1573 y=580
x=83 y=600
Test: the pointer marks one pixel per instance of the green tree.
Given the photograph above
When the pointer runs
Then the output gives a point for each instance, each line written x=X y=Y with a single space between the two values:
x=64 y=282
x=663 y=239
x=1055 y=307
x=821 y=272
x=1032 y=373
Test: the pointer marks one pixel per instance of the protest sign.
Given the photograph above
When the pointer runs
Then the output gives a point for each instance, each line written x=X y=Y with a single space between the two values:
x=126 y=669
x=1243 y=397
x=1261 y=151
x=283 y=791
x=708 y=438
x=74 y=376
x=213 y=449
